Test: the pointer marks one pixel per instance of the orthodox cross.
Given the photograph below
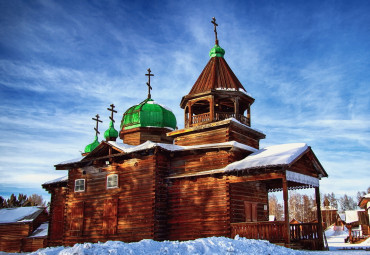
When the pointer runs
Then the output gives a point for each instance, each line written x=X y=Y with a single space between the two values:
x=112 y=111
x=215 y=24
x=97 y=124
x=148 y=83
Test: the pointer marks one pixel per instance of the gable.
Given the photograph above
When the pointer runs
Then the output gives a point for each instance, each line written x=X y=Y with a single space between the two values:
x=308 y=164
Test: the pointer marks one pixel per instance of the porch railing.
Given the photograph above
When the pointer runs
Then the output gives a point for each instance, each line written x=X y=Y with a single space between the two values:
x=206 y=117
x=266 y=230
x=275 y=231
x=304 y=231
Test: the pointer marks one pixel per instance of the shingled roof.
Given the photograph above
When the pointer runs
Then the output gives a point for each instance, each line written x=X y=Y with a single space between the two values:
x=217 y=75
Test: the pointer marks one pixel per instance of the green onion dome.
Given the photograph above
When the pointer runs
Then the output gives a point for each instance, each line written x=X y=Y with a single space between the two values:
x=89 y=148
x=217 y=51
x=148 y=114
x=111 y=132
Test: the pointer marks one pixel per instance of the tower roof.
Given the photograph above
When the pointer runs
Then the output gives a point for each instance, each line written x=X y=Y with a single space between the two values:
x=217 y=75
x=90 y=147
x=148 y=114
x=111 y=132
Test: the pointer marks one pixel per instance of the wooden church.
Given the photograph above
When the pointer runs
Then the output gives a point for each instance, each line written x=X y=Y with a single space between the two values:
x=162 y=183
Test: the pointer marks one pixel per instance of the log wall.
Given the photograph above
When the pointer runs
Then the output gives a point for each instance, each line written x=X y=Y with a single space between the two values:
x=208 y=134
x=198 y=208
x=56 y=222
x=11 y=236
x=254 y=193
x=134 y=211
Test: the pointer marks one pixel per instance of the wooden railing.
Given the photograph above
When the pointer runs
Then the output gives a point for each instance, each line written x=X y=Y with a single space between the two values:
x=201 y=118
x=275 y=231
x=266 y=230
x=304 y=231
x=206 y=117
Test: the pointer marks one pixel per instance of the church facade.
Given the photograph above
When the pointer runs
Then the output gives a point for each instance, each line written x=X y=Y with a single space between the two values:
x=208 y=179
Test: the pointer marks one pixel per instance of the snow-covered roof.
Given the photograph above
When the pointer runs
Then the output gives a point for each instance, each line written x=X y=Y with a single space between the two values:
x=60 y=179
x=352 y=216
x=276 y=155
x=19 y=214
x=41 y=231
x=125 y=148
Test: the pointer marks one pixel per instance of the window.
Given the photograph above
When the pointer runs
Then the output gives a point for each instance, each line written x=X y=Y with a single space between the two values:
x=112 y=181
x=79 y=185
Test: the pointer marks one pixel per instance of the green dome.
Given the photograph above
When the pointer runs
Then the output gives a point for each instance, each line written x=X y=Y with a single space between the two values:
x=110 y=132
x=148 y=114
x=89 y=148
x=217 y=51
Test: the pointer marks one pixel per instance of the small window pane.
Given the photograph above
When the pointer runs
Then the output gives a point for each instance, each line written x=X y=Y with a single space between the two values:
x=80 y=185
x=112 y=181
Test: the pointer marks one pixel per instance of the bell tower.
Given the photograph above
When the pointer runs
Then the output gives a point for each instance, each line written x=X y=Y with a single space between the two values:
x=217 y=99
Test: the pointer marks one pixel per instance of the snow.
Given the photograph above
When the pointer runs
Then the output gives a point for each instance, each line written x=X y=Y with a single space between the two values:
x=352 y=216
x=60 y=179
x=165 y=107
x=41 y=231
x=336 y=240
x=19 y=214
x=207 y=246
x=282 y=154
x=71 y=161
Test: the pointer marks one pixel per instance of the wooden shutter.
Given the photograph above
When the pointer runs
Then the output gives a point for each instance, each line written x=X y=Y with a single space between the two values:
x=76 y=219
x=110 y=216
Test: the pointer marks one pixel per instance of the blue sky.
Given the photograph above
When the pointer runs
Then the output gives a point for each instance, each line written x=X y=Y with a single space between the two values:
x=61 y=62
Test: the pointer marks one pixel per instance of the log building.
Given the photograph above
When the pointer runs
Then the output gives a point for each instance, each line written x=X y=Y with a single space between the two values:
x=208 y=179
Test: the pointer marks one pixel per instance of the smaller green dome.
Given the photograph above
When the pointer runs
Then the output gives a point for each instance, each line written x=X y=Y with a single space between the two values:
x=110 y=132
x=148 y=114
x=217 y=51
x=89 y=148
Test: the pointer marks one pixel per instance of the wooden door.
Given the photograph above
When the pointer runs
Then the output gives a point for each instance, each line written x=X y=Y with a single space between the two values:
x=250 y=211
x=110 y=216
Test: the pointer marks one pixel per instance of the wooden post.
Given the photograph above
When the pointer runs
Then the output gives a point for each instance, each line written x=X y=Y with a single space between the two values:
x=286 y=212
x=319 y=219
x=212 y=108
x=190 y=121
x=236 y=108
x=249 y=114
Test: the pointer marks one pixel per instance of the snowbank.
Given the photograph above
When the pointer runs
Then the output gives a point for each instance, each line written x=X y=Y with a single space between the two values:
x=206 y=246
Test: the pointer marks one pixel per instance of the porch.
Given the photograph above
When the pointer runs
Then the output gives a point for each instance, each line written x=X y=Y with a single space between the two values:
x=303 y=235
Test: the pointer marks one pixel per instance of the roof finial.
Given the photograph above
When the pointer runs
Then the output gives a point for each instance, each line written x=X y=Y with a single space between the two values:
x=112 y=111
x=215 y=25
x=148 y=83
x=97 y=124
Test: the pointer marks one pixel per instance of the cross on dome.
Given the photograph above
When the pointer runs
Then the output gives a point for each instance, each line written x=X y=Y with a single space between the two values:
x=97 y=124
x=112 y=112
x=148 y=83
x=215 y=30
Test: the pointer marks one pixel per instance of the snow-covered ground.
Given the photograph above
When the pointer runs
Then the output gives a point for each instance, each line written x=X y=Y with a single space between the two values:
x=211 y=245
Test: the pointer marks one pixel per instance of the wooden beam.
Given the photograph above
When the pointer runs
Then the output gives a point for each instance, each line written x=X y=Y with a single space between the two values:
x=286 y=211
x=260 y=177
x=319 y=218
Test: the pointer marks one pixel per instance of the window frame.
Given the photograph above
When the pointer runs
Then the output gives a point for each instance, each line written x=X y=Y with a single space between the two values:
x=84 y=185
x=107 y=181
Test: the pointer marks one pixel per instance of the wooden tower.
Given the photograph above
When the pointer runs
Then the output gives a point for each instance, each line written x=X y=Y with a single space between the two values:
x=217 y=108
